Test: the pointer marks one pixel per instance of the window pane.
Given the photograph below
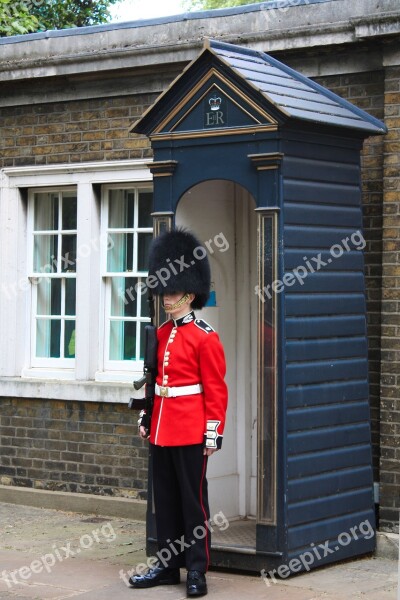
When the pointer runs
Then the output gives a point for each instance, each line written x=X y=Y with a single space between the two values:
x=69 y=339
x=70 y=297
x=68 y=254
x=122 y=340
x=49 y=297
x=120 y=253
x=144 y=241
x=45 y=253
x=145 y=209
x=69 y=211
x=46 y=212
x=142 y=340
x=145 y=312
x=121 y=208
x=48 y=334
x=123 y=297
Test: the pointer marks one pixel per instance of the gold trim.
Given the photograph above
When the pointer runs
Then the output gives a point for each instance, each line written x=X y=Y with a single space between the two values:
x=267 y=507
x=271 y=168
x=211 y=73
x=162 y=174
x=266 y=161
x=208 y=91
x=213 y=133
x=266 y=157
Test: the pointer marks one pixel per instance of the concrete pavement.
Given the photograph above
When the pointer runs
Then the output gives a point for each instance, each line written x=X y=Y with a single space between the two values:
x=53 y=555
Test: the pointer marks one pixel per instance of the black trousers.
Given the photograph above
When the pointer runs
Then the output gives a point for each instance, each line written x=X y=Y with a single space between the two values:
x=181 y=505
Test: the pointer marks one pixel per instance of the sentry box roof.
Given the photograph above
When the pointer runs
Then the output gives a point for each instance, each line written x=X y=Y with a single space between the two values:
x=285 y=94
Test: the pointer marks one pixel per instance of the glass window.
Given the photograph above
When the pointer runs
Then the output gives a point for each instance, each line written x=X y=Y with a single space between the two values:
x=54 y=276
x=129 y=233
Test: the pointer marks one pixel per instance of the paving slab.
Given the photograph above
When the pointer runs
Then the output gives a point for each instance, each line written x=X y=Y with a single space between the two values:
x=53 y=555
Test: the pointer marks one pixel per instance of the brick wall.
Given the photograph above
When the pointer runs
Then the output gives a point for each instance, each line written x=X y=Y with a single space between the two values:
x=79 y=131
x=366 y=90
x=72 y=447
x=390 y=365
x=89 y=447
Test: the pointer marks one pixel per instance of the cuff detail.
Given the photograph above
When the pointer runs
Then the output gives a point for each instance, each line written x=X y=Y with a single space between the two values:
x=212 y=439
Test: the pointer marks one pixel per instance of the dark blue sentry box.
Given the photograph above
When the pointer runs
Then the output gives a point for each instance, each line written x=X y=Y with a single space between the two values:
x=242 y=118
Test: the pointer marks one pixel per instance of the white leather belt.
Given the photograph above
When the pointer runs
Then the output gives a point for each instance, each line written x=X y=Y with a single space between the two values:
x=183 y=390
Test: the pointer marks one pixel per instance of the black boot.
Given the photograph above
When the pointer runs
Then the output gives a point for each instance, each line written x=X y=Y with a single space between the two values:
x=196 y=584
x=156 y=576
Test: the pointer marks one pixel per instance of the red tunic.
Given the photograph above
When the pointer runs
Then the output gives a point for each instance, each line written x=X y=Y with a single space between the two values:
x=189 y=353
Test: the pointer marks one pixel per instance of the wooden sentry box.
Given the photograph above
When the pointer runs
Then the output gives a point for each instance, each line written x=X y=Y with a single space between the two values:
x=238 y=127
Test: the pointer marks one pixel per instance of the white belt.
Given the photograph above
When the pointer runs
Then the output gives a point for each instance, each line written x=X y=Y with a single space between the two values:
x=183 y=390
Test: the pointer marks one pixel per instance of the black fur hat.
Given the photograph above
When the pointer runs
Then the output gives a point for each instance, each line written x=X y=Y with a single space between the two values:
x=178 y=262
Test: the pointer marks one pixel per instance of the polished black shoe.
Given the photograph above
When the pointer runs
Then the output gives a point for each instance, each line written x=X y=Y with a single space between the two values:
x=196 y=584
x=156 y=576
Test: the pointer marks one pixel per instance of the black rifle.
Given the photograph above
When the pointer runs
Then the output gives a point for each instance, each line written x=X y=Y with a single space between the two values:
x=145 y=405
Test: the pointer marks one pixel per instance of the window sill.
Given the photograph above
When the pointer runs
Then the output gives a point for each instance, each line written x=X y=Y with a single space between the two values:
x=83 y=391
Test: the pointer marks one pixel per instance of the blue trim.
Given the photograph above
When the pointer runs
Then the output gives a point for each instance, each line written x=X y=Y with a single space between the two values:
x=188 y=16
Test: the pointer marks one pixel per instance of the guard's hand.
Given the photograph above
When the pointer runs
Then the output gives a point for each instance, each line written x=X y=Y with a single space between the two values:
x=143 y=432
x=209 y=451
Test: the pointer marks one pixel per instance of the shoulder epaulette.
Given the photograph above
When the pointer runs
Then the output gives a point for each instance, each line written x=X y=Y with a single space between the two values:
x=165 y=323
x=203 y=325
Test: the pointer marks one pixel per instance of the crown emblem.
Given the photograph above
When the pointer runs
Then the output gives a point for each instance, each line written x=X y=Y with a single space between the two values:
x=215 y=102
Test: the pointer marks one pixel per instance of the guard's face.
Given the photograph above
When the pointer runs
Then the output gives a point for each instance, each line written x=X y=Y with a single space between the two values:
x=170 y=299
x=174 y=307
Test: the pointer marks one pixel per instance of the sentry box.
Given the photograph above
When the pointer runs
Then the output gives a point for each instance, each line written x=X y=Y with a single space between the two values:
x=263 y=165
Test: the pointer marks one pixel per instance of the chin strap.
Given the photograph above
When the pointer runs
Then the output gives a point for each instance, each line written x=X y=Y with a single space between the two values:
x=184 y=299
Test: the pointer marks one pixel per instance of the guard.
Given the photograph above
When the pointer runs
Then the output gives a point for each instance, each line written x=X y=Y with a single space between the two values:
x=188 y=417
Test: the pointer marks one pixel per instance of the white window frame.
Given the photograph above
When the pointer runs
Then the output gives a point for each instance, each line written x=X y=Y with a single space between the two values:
x=119 y=365
x=89 y=380
x=45 y=363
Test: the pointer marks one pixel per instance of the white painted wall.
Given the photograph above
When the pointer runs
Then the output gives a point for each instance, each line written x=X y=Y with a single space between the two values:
x=210 y=209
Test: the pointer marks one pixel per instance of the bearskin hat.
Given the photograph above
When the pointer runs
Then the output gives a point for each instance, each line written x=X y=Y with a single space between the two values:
x=178 y=262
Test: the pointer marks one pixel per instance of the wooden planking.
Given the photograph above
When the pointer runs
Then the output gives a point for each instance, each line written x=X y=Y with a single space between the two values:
x=324 y=304
x=320 y=462
x=325 y=438
x=303 y=419
x=329 y=506
x=324 y=260
x=326 y=366
x=326 y=348
x=301 y=536
x=321 y=326
x=327 y=149
x=327 y=551
x=300 y=279
x=326 y=392
x=326 y=370
x=309 y=214
x=322 y=193
x=328 y=171
x=316 y=236
x=328 y=483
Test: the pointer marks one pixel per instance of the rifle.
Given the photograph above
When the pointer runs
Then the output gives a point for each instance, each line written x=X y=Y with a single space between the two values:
x=145 y=405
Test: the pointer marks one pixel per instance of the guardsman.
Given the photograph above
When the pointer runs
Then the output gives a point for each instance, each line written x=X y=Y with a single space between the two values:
x=188 y=417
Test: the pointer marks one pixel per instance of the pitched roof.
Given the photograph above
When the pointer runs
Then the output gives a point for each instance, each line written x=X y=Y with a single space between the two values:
x=292 y=93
